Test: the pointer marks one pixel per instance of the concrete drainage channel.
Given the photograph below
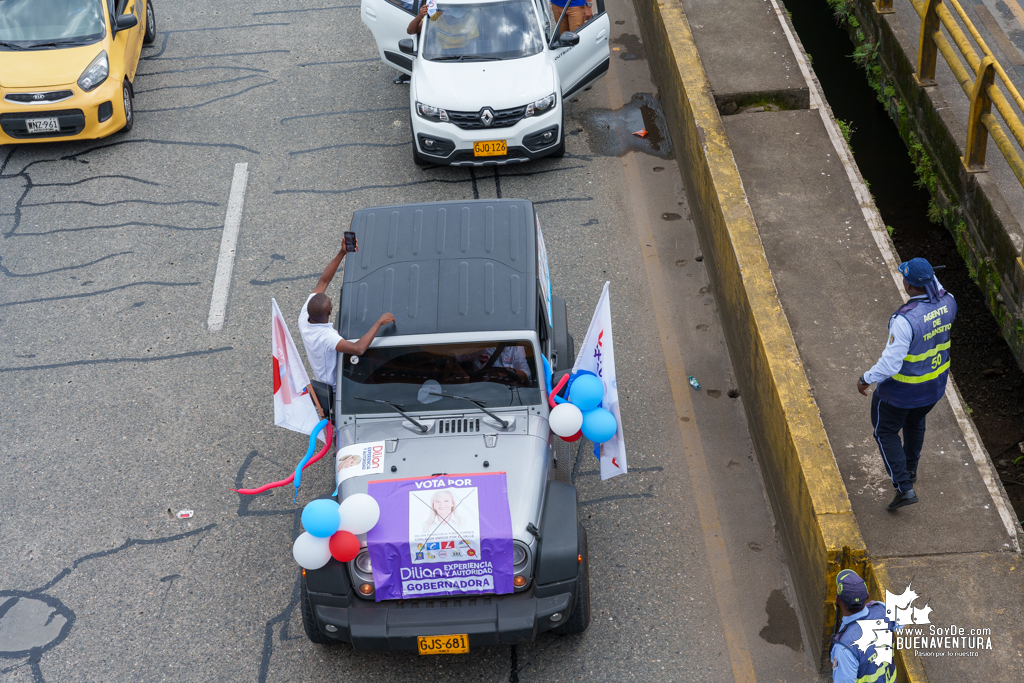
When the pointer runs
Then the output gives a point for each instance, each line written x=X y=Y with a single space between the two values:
x=991 y=382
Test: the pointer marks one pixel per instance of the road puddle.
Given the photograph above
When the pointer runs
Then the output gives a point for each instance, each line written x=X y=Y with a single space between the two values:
x=611 y=133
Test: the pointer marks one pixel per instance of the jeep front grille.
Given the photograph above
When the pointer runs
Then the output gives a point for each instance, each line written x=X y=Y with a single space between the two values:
x=459 y=426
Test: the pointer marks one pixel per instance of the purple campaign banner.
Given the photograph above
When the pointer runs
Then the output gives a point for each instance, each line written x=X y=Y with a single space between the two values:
x=444 y=535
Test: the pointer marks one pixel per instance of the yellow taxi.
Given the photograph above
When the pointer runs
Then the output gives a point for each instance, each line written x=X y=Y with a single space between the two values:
x=67 y=66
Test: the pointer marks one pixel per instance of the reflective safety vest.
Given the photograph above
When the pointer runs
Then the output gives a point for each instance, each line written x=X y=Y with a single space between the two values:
x=921 y=380
x=868 y=670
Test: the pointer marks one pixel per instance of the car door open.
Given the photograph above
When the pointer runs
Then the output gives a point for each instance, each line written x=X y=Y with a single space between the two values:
x=581 y=64
x=389 y=21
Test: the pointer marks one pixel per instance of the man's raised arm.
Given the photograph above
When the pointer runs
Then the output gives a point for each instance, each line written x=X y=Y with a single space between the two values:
x=331 y=270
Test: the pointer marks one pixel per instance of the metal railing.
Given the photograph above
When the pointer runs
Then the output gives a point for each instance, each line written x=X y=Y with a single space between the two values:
x=981 y=87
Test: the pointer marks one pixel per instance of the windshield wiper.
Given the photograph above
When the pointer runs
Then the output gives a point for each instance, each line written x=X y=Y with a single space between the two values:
x=397 y=408
x=12 y=46
x=56 y=43
x=459 y=58
x=479 y=404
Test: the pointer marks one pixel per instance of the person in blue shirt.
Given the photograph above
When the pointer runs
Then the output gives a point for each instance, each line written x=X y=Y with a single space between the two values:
x=911 y=375
x=853 y=659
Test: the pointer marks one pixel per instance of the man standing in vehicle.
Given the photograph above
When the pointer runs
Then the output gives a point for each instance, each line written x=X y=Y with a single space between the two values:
x=322 y=341
x=571 y=14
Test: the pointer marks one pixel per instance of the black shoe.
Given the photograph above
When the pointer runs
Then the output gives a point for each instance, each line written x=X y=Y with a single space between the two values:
x=913 y=477
x=402 y=79
x=902 y=499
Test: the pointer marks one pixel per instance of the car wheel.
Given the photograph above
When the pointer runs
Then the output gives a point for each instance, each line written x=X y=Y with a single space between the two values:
x=150 y=35
x=308 y=621
x=579 y=620
x=129 y=106
x=417 y=158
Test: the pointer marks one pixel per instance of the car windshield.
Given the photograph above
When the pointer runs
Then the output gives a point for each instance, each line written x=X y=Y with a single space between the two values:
x=427 y=377
x=26 y=24
x=488 y=31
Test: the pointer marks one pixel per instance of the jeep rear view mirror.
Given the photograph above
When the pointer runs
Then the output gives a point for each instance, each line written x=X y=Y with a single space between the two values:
x=405 y=46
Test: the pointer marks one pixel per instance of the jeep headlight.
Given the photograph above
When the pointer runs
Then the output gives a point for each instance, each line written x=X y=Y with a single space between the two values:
x=95 y=73
x=519 y=555
x=363 y=563
x=541 y=105
x=431 y=113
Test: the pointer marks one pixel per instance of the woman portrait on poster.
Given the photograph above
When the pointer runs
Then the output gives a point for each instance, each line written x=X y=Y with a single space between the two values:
x=348 y=461
x=442 y=509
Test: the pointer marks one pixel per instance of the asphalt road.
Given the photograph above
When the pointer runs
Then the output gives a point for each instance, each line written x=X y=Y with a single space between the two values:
x=122 y=408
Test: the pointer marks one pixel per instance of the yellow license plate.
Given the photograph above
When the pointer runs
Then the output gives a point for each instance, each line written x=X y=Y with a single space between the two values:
x=490 y=148
x=444 y=645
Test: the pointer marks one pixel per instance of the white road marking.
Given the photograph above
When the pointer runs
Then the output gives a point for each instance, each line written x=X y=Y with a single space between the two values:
x=226 y=262
x=888 y=251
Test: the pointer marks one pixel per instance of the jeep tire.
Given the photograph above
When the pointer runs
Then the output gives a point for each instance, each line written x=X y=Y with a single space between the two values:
x=580 y=617
x=309 y=624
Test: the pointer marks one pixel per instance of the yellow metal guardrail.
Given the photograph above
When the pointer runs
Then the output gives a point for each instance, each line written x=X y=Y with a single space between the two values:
x=981 y=87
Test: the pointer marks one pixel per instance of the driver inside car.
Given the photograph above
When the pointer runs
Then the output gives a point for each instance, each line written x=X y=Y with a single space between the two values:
x=512 y=358
x=452 y=27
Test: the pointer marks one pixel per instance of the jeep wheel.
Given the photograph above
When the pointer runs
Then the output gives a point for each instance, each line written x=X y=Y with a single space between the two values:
x=150 y=35
x=580 y=617
x=309 y=621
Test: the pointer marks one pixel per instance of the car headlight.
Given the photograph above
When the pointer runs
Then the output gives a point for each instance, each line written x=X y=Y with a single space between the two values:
x=95 y=73
x=363 y=563
x=518 y=554
x=541 y=105
x=432 y=113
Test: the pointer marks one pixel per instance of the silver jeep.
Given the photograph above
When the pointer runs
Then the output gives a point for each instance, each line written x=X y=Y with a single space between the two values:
x=456 y=386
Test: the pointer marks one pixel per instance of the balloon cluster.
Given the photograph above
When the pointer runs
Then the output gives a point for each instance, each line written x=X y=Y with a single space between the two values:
x=580 y=415
x=332 y=529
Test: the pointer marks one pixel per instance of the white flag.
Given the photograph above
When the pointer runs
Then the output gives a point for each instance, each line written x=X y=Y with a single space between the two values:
x=598 y=356
x=293 y=406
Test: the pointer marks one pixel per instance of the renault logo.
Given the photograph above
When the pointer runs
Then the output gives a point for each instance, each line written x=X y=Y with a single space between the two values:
x=487 y=117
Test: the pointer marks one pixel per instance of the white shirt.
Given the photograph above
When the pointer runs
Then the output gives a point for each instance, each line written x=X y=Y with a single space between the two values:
x=512 y=358
x=321 y=341
x=900 y=336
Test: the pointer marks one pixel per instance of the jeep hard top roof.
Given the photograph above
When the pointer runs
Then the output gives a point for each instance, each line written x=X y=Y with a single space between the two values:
x=442 y=267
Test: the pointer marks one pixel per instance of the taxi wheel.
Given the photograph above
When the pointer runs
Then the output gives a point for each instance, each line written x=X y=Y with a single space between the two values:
x=150 y=35
x=129 y=105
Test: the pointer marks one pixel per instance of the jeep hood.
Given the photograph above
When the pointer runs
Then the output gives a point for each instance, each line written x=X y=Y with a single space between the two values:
x=522 y=457
x=470 y=86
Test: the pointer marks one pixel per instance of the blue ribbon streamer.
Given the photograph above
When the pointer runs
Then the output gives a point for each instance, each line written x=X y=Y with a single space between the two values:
x=309 y=454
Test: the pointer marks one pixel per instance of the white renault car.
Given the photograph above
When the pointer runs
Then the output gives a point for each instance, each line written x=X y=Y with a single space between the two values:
x=488 y=76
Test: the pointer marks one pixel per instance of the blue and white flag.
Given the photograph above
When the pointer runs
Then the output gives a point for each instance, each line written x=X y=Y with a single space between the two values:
x=597 y=355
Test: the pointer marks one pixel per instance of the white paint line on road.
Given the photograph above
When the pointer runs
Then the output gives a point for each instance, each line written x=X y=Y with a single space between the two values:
x=888 y=251
x=226 y=262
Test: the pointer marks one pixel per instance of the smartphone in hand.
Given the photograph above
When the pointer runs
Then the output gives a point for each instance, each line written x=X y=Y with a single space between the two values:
x=350 y=241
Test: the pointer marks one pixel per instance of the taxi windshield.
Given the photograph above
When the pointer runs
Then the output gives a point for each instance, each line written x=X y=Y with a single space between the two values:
x=31 y=24
x=423 y=377
x=489 y=31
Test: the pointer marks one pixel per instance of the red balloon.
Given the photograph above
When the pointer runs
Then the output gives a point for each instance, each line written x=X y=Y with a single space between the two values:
x=344 y=546
x=575 y=437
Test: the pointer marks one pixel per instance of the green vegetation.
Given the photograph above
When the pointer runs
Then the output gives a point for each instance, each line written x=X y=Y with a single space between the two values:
x=847 y=128
x=889 y=229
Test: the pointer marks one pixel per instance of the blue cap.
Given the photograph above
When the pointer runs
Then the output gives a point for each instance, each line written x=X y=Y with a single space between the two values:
x=917 y=272
x=850 y=587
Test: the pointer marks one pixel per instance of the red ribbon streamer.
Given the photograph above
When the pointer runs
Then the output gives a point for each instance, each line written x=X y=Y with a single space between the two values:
x=328 y=434
x=558 y=387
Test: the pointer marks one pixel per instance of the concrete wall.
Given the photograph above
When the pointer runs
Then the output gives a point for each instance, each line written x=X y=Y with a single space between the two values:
x=807 y=493
x=987 y=235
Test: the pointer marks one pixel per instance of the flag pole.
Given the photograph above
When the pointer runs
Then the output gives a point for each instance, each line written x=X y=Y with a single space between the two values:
x=316 y=401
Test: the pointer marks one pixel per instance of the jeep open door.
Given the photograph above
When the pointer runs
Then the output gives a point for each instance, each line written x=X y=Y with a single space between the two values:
x=388 y=21
x=582 y=64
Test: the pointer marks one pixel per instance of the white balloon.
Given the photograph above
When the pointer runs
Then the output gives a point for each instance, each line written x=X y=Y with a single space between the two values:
x=311 y=552
x=359 y=513
x=565 y=419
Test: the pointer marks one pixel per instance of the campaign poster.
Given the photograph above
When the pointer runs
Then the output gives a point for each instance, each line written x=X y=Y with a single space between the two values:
x=443 y=535
x=359 y=459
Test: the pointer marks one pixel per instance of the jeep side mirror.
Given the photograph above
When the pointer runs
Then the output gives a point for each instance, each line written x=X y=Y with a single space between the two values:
x=405 y=46
x=126 y=21
x=568 y=39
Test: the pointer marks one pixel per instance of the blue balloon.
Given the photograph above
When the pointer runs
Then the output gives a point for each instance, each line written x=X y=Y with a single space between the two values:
x=586 y=392
x=320 y=518
x=599 y=425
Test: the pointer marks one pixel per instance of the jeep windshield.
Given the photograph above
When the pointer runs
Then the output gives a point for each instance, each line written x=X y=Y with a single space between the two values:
x=428 y=377
x=489 y=31
x=29 y=24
